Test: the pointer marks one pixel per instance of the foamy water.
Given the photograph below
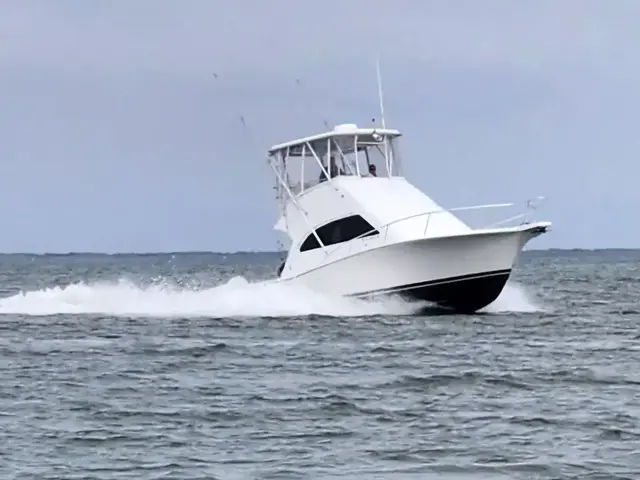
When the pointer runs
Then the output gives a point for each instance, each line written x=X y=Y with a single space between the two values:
x=236 y=298
x=515 y=298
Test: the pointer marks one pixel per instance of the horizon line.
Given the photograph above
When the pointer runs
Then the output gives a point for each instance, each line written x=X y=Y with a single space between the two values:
x=272 y=252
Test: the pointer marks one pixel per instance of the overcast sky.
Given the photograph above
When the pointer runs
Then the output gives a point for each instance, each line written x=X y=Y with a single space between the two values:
x=115 y=134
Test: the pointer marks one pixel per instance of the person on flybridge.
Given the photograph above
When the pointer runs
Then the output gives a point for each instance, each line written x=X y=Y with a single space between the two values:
x=332 y=168
x=372 y=170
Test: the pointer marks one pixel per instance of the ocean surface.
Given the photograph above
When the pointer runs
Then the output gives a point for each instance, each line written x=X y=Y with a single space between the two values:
x=183 y=367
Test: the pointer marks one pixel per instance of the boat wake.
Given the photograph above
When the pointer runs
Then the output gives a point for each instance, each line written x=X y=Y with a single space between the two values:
x=514 y=299
x=236 y=298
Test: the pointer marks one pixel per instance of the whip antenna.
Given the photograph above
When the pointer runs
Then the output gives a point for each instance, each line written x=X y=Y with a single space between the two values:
x=380 y=98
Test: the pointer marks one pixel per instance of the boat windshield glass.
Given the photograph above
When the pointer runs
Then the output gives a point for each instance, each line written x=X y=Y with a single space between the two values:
x=309 y=164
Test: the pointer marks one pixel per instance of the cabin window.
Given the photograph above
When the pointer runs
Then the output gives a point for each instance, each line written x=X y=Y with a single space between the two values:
x=339 y=231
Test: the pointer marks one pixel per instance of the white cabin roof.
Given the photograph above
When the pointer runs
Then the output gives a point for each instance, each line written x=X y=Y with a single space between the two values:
x=343 y=130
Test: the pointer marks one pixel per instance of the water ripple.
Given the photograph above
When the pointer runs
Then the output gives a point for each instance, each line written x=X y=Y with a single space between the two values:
x=548 y=394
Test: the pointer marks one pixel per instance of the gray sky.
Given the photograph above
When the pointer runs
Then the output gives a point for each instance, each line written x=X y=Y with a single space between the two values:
x=116 y=136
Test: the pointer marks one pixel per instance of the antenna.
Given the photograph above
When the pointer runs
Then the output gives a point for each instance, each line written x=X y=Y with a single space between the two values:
x=388 y=158
x=380 y=99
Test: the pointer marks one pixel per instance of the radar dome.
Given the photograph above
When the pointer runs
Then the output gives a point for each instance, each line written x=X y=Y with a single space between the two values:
x=345 y=127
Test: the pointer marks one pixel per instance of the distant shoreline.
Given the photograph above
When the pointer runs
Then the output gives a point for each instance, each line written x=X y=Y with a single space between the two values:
x=272 y=252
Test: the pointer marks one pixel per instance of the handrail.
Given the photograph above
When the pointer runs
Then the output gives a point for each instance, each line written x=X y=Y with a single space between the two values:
x=507 y=220
x=429 y=213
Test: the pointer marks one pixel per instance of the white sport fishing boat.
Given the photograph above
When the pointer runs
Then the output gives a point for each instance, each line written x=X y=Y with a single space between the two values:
x=357 y=231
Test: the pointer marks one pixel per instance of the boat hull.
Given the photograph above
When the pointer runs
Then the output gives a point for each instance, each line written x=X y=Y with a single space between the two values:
x=461 y=294
x=462 y=273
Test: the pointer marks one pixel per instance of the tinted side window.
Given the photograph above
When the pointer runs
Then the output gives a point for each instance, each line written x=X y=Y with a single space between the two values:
x=339 y=231
x=310 y=243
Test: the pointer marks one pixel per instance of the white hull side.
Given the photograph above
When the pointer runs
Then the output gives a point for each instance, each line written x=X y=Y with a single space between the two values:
x=409 y=267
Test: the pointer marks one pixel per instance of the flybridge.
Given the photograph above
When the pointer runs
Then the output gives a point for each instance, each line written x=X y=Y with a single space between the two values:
x=347 y=150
